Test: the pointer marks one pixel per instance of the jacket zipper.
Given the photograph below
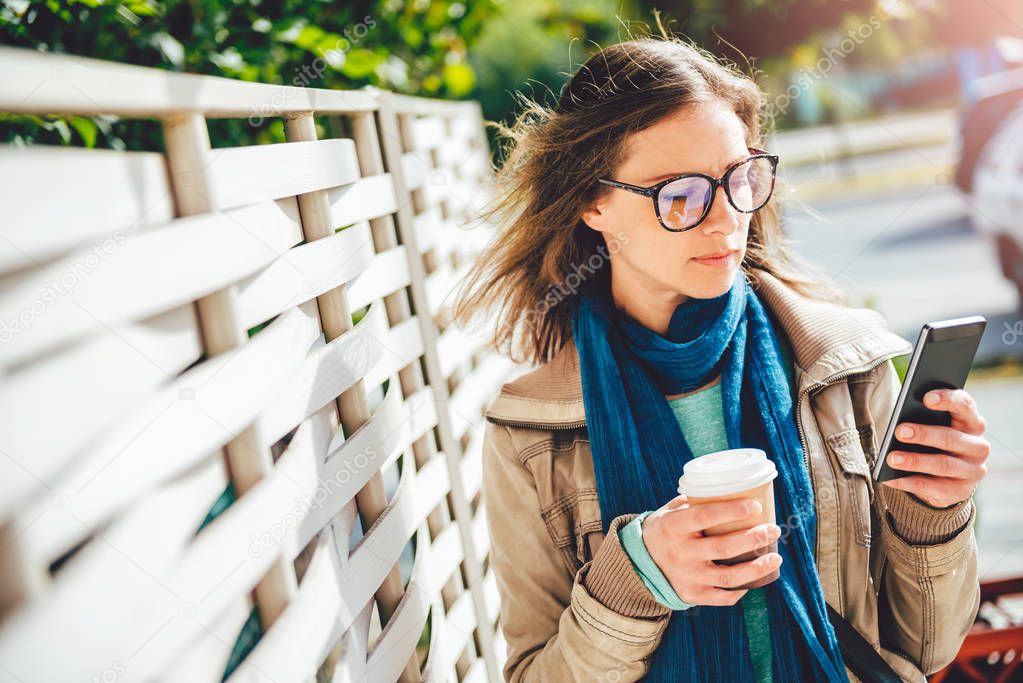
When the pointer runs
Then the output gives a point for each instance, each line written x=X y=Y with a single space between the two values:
x=538 y=425
x=799 y=423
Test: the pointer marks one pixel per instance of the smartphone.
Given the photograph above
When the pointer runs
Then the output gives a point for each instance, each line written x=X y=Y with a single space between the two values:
x=942 y=358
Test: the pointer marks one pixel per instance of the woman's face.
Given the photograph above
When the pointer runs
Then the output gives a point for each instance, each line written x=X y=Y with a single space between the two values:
x=651 y=264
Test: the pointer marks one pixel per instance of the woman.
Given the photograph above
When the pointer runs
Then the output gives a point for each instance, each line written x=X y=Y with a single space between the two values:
x=643 y=267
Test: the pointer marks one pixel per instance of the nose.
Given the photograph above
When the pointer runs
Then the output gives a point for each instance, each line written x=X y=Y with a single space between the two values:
x=723 y=217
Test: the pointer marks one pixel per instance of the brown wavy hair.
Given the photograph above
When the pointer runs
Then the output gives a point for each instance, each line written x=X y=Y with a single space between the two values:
x=552 y=160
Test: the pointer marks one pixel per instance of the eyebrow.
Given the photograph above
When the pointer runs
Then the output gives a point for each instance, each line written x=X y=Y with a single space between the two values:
x=656 y=179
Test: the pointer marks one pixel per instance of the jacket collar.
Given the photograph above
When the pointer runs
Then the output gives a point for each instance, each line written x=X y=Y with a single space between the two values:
x=827 y=340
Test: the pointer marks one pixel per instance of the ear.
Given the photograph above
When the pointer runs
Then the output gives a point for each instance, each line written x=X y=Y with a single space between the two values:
x=594 y=215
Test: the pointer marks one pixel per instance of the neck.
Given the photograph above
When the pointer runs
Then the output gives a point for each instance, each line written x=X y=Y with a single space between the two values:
x=651 y=306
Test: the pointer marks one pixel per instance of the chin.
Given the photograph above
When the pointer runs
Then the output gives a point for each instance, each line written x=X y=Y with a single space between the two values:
x=711 y=283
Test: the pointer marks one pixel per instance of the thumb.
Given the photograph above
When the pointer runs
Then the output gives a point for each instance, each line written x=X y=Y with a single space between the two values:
x=677 y=502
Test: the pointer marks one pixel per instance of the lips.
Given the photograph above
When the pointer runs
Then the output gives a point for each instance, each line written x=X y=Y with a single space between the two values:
x=720 y=254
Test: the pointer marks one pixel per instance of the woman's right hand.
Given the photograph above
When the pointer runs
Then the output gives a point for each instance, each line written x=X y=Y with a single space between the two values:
x=673 y=535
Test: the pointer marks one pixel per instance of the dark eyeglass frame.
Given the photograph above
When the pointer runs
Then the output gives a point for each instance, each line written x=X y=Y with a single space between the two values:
x=653 y=190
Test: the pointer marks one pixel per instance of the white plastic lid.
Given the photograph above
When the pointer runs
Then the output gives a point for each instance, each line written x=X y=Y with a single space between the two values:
x=726 y=472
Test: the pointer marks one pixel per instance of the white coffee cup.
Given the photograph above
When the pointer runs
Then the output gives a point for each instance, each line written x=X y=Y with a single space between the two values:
x=727 y=475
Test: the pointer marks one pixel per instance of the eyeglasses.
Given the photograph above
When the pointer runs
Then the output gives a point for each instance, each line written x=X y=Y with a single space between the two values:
x=684 y=201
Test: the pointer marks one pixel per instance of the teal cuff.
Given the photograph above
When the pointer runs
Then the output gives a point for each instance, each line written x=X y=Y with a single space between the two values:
x=631 y=538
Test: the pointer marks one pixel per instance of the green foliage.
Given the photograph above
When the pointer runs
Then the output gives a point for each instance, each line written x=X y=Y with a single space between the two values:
x=411 y=47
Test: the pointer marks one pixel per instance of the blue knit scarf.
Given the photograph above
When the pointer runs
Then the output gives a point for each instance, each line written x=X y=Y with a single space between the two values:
x=638 y=453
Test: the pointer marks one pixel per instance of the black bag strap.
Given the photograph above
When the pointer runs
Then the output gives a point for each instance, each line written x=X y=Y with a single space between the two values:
x=859 y=655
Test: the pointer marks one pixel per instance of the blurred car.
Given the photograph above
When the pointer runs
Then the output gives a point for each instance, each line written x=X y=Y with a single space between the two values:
x=997 y=184
x=996 y=96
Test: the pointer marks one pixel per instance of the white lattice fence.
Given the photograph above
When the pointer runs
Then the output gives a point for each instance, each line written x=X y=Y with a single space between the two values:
x=219 y=367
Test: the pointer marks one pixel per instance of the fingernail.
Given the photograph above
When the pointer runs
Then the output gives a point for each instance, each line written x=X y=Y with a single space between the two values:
x=906 y=430
x=933 y=398
x=897 y=458
x=753 y=507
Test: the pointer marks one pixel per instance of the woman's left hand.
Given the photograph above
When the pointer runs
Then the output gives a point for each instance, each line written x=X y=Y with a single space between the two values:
x=952 y=475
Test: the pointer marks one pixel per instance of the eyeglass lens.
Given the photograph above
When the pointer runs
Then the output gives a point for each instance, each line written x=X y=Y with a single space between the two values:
x=682 y=203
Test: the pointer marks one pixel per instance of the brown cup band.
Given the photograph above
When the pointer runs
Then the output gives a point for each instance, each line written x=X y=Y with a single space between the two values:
x=752 y=555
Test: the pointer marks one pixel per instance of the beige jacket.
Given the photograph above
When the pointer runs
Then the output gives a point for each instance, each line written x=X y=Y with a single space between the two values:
x=572 y=607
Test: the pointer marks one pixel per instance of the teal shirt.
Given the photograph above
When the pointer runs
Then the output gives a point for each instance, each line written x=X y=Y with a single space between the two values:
x=701 y=419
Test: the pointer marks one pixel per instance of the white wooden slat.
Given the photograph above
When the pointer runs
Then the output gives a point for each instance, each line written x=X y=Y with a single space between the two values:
x=320 y=613
x=364 y=199
x=237 y=548
x=428 y=226
x=344 y=526
x=416 y=171
x=103 y=193
x=401 y=345
x=455 y=153
x=181 y=425
x=327 y=371
x=297 y=641
x=445 y=556
x=456 y=346
x=398 y=640
x=491 y=597
x=352 y=666
x=500 y=648
x=114 y=581
x=427 y=132
x=472 y=465
x=391 y=430
x=414 y=104
x=387 y=273
x=467 y=401
x=207 y=653
x=143 y=276
x=459 y=624
x=441 y=284
x=231 y=554
x=246 y=175
x=96 y=383
x=438 y=667
x=464 y=125
x=417 y=495
x=77 y=85
x=480 y=533
x=477 y=673
x=437 y=186
x=304 y=272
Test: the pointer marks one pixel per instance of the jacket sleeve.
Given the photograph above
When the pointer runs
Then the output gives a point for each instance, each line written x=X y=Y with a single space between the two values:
x=930 y=590
x=599 y=624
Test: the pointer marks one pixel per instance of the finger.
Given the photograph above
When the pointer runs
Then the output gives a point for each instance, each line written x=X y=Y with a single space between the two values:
x=734 y=575
x=735 y=543
x=960 y=404
x=718 y=597
x=677 y=502
x=936 y=491
x=938 y=464
x=947 y=439
x=696 y=518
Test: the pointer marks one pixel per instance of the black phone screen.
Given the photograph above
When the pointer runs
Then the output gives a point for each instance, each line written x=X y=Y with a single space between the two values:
x=942 y=359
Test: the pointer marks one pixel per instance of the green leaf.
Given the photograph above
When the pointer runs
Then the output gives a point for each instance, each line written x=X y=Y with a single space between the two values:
x=459 y=79
x=86 y=128
x=360 y=63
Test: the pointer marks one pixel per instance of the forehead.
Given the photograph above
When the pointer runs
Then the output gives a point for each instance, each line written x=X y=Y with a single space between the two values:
x=701 y=138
